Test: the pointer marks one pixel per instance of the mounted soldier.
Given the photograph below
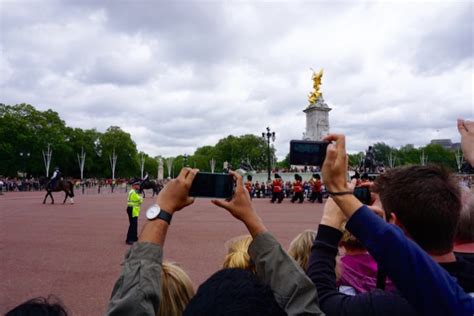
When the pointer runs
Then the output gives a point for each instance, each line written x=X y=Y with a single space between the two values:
x=55 y=178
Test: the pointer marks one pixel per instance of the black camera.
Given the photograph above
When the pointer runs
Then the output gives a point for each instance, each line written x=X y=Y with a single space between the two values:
x=307 y=153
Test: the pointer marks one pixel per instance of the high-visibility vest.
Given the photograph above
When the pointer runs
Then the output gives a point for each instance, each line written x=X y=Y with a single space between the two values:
x=134 y=201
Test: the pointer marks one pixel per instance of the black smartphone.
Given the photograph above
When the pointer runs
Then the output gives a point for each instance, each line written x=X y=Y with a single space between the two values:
x=307 y=152
x=217 y=185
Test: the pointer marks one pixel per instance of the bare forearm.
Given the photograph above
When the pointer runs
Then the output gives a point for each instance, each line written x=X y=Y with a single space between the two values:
x=349 y=204
x=254 y=225
x=154 y=232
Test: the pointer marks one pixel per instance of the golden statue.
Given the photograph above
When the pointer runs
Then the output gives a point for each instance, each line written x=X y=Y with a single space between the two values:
x=316 y=93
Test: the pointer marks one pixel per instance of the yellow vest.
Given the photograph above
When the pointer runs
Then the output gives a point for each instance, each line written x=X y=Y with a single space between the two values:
x=134 y=200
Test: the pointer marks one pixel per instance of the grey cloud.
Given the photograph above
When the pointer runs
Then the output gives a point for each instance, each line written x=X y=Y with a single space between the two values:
x=449 y=43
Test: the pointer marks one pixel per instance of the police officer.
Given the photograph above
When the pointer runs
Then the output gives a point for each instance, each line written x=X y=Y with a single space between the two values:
x=133 y=211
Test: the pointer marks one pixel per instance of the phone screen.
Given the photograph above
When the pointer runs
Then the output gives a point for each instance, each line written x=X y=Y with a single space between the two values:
x=218 y=185
x=309 y=153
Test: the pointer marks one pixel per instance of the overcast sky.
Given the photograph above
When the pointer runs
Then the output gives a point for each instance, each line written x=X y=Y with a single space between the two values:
x=182 y=74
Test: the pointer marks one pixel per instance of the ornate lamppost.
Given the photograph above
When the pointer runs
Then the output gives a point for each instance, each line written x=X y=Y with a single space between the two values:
x=185 y=160
x=24 y=155
x=267 y=136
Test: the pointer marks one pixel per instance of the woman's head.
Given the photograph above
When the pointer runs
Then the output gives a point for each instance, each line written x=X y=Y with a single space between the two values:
x=300 y=247
x=176 y=290
x=237 y=253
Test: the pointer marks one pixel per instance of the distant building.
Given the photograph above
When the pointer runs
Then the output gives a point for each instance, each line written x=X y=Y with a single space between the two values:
x=446 y=144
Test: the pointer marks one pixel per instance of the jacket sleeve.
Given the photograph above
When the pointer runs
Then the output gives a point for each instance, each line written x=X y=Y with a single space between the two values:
x=321 y=270
x=293 y=290
x=137 y=290
x=423 y=282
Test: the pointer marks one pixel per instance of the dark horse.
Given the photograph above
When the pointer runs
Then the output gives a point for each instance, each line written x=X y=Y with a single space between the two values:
x=61 y=185
x=149 y=185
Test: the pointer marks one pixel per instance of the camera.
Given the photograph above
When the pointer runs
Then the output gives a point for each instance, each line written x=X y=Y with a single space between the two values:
x=307 y=153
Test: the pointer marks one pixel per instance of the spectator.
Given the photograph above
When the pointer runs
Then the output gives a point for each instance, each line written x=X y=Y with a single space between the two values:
x=237 y=253
x=426 y=202
x=176 y=290
x=38 y=306
x=300 y=247
x=358 y=268
x=136 y=292
x=426 y=286
x=233 y=292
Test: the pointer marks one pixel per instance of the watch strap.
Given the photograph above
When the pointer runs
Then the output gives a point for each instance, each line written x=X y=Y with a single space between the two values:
x=164 y=215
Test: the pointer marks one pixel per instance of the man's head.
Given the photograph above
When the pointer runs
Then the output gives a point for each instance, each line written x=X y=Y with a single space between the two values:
x=39 y=306
x=423 y=200
x=233 y=292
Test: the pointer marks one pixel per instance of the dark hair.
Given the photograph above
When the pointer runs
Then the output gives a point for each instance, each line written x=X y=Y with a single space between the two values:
x=233 y=292
x=39 y=306
x=277 y=176
x=249 y=178
x=365 y=176
x=317 y=176
x=426 y=201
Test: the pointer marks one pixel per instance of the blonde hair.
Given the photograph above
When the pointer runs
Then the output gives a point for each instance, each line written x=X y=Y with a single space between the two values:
x=176 y=290
x=237 y=253
x=300 y=247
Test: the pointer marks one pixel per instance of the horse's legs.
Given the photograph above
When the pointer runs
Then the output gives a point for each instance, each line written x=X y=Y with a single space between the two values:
x=47 y=193
x=51 y=195
x=65 y=197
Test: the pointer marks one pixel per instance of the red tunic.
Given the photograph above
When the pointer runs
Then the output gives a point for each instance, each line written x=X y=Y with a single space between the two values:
x=277 y=185
x=297 y=186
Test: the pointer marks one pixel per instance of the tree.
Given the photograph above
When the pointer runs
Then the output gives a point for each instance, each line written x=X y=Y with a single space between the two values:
x=382 y=152
x=125 y=148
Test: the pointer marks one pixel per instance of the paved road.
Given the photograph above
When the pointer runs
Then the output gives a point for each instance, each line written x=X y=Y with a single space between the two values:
x=75 y=251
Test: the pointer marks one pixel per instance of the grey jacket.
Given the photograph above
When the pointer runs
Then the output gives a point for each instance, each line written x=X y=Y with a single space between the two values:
x=137 y=290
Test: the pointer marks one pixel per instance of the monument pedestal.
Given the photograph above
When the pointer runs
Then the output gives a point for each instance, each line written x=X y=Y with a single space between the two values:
x=317 y=120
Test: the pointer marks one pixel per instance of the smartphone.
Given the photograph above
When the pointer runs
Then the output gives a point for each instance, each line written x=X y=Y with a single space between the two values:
x=217 y=185
x=307 y=152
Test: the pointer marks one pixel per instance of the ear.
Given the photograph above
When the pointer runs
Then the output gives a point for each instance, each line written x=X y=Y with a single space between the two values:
x=394 y=220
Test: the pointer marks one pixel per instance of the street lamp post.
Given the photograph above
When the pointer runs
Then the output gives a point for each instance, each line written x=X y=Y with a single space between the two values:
x=267 y=136
x=185 y=160
x=24 y=155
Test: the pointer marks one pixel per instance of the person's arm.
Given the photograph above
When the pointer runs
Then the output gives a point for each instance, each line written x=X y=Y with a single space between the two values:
x=425 y=285
x=292 y=289
x=321 y=270
x=137 y=290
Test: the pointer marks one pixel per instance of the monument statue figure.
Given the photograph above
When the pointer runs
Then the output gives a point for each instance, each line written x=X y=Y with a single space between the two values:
x=316 y=93
x=369 y=163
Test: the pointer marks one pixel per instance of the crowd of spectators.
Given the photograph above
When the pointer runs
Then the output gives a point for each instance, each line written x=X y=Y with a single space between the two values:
x=407 y=251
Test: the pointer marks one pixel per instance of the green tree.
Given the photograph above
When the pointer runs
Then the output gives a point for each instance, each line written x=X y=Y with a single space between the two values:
x=115 y=139
x=382 y=152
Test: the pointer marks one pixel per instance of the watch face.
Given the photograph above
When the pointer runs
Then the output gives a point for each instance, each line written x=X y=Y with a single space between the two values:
x=153 y=212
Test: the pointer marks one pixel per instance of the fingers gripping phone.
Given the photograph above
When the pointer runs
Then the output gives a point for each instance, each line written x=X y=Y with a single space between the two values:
x=217 y=185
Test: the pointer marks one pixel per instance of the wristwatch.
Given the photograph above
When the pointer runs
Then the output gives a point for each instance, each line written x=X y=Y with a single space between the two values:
x=155 y=212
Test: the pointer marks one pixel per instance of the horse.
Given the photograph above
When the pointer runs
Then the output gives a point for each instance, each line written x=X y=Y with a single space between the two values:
x=61 y=185
x=149 y=185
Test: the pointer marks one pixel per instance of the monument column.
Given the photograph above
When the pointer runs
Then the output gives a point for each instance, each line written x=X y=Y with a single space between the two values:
x=317 y=112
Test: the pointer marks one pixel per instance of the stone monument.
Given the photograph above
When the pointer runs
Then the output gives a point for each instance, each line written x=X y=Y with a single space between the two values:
x=317 y=112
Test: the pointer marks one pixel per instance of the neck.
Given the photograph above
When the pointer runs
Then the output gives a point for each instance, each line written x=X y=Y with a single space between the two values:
x=447 y=257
